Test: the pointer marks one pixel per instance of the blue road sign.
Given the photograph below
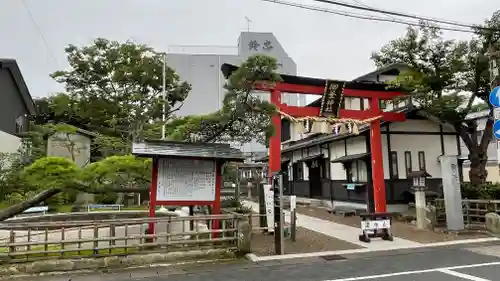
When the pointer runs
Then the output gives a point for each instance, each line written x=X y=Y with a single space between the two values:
x=496 y=129
x=495 y=97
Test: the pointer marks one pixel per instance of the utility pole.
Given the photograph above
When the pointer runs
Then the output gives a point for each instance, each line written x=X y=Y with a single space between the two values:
x=493 y=56
x=164 y=96
x=248 y=23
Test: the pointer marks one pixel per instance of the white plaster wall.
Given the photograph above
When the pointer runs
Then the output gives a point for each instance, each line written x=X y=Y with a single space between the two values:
x=414 y=126
x=306 y=170
x=450 y=145
x=385 y=157
x=337 y=149
x=430 y=144
x=9 y=143
x=297 y=155
x=356 y=145
x=296 y=129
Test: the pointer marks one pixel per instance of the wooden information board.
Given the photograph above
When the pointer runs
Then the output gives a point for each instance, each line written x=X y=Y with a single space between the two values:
x=185 y=180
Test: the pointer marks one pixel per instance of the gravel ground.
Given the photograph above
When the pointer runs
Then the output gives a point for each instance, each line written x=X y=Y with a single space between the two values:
x=307 y=241
x=399 y=229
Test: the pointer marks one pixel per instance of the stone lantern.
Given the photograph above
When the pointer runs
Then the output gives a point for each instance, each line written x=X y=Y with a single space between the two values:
x=419 y=187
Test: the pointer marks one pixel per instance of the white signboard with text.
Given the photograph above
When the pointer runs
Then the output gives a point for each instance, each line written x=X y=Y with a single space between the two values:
x=269 y=203
x=185 y=180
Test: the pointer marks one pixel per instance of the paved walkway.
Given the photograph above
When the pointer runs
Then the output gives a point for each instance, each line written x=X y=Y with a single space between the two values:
x=340 y=231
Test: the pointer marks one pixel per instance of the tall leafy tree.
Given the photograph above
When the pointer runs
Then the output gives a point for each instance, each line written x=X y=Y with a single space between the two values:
x=115 y=88
x=447 y=79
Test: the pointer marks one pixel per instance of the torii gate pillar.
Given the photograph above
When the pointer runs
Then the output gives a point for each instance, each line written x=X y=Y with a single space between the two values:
x=377 y=160
x=275 y=141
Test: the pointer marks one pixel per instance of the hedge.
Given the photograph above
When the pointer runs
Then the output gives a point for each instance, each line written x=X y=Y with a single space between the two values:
x=486 y=191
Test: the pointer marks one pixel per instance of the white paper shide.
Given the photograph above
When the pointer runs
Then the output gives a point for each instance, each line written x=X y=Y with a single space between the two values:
x=185 y=180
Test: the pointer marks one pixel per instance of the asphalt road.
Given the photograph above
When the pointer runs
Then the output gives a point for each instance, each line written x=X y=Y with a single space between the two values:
x=477 y=262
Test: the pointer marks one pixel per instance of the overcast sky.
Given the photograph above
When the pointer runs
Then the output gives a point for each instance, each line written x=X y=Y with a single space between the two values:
x=322 y=45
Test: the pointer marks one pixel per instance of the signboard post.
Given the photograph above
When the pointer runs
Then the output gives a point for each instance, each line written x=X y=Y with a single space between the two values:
x=278 y=213
x=269 y=204
x=494 y=99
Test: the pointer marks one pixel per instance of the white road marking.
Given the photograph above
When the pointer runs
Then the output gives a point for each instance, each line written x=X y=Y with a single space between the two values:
x=462 y=275
x=442 y=269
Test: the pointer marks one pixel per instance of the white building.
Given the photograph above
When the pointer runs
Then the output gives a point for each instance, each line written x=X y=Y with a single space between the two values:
x=200 y=66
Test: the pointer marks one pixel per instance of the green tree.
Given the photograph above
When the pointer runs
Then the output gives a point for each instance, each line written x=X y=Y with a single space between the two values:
x=48 y=177
x=44 y=179
x=114 y=89
x=125 y=172
x=447 y=79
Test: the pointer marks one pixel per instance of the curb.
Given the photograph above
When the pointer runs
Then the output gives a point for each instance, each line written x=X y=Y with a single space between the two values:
x=254 y=258
x=112 y=263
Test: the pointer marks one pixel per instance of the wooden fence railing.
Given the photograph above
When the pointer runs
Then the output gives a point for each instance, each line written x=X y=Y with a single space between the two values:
x=34 y=241
x=474 y=211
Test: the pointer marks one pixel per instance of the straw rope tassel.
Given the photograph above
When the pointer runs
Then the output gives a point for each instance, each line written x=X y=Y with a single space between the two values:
x=355 y=129
x=352 y=123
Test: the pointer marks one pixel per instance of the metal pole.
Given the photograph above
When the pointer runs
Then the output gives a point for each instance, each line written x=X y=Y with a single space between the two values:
x=494 y=72
x=282 y=217
x=164 y=96
x=238 y=179
x=279 y=218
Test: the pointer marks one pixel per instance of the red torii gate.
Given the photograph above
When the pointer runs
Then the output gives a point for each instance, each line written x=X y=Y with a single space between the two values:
x=374 y=92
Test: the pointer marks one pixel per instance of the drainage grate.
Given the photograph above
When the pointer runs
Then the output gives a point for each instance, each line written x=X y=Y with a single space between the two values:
x=333 y=258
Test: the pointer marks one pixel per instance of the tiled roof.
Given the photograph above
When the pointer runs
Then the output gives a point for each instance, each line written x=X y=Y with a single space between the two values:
x=188 y=150
x=12 y=66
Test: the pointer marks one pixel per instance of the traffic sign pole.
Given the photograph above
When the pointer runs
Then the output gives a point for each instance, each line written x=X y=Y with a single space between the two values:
x=493 y=57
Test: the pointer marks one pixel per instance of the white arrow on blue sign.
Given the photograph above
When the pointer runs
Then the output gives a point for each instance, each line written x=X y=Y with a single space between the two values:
x=496 y=129
x=495 y=97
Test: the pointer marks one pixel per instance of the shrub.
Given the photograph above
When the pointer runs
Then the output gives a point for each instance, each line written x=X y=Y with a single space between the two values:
x=487 y=191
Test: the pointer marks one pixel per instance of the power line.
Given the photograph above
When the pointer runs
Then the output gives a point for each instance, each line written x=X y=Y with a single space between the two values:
x=39 y=31
x=363 y=4
x=399 y=14
x=362 y=16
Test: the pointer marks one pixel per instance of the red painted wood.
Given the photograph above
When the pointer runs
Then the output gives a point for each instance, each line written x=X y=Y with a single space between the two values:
x=299 y=111
x=394 y=116
x=377 y=160
x=216 y=208
x=275 y=141
x=319 y=90
x=152 y=194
